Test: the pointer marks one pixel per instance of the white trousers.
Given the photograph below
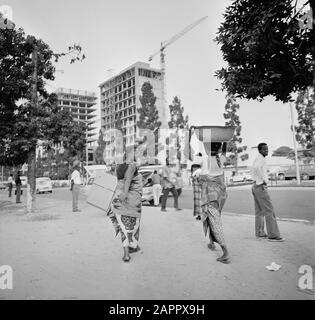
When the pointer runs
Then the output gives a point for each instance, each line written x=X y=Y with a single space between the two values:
x=157 y=189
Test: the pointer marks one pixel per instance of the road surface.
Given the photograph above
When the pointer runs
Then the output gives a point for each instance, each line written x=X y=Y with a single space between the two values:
x=289 y=203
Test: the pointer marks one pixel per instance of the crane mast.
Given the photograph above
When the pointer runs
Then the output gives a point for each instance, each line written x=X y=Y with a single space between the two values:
x=161 y=51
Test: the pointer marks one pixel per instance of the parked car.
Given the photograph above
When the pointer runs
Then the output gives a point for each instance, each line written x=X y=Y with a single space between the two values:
x=241 y=176
x=43 y=185
x=147 y=173
x=3 y=185
x=306 y=172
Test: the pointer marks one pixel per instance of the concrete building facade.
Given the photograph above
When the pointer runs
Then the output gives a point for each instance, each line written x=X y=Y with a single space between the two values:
x=82 y=106
x=119 y=100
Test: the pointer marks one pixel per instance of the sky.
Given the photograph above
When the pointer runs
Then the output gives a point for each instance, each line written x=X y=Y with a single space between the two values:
x=115 y=34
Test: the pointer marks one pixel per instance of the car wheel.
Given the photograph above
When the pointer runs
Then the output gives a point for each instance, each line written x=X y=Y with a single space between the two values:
x=305 y=177
x=151 y=202
x=50 y=191
x=281 y=177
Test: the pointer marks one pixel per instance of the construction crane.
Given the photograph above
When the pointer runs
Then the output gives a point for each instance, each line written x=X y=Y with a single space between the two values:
x=161 y=51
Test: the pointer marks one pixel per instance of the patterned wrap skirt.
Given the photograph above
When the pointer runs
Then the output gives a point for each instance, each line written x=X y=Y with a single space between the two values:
x=212 y=197
x=125 y=216
x=197 y=196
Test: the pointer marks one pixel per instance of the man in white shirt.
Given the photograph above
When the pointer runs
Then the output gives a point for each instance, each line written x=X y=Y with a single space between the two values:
x=75 y=185
x=263 y=205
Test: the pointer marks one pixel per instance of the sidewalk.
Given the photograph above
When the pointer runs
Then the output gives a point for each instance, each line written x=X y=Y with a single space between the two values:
x=57 y=254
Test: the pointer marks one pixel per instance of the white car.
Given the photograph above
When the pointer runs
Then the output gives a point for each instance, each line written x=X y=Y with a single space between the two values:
x=43 y=184
x=241 y=176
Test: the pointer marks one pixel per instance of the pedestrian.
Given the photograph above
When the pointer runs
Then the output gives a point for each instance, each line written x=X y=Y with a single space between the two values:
x=10 y=184
x=75 y=185
x=18 y=185
x=212 y=196
x=264 y=210
x=169 y=182
x=157 y=188
x=196 y=190
x=125 y=209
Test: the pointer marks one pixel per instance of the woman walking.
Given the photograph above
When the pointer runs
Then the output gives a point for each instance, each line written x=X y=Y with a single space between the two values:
x=125 y=209
x=211 y=196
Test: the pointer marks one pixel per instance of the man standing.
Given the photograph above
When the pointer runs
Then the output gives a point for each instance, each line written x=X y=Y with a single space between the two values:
x=10 y=184
x=263 y=206
x=75 y=185
x=169 y=178
x=18 y=184
x=156 y=180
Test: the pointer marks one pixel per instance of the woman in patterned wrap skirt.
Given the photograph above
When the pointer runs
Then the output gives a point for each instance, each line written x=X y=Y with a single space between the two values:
x=210 y=197
x=125 y=209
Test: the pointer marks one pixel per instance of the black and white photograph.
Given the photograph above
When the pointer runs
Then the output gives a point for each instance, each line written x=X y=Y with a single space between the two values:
x=157 y=151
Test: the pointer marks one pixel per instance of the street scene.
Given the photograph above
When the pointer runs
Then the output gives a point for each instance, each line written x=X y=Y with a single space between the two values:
x=157 y=151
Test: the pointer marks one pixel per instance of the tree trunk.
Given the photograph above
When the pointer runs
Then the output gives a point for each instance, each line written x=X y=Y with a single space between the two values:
x=31 y=181
x=312 y=5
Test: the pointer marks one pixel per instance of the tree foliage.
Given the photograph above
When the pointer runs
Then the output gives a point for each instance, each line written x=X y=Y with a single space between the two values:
x=148 y=113
x=266 y=49
x=178 y=120
x=233 y=120
x=28 y=113
x=283 y=151
x=305 y=106
x=99 y=152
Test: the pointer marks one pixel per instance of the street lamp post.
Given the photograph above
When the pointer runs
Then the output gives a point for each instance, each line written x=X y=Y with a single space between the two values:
x=298 y=178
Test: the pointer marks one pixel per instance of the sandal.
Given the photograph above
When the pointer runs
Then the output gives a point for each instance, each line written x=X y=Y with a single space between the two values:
x=211 y=246
x=126 y=259
x=225 y=260
x=133 y=250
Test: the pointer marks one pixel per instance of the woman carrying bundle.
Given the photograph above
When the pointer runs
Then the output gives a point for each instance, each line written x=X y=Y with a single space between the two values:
x=211 y=195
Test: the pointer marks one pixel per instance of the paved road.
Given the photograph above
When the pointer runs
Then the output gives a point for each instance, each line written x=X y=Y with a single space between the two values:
x=292 y=203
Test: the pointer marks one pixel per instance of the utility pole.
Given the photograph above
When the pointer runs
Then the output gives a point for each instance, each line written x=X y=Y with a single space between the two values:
x=31 y=158
x=295 y=148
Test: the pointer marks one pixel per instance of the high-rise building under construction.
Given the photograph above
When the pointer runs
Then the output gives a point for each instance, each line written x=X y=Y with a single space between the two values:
x=119 y=99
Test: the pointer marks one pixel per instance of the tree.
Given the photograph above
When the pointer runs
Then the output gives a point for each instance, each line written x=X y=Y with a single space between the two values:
x=230 y=114
x=305 y=130
x=99 y=152
x=148 y=113
x=25 y=64
x=268 y=49
x=177 y=115
x=283 y=151
x=178 y=121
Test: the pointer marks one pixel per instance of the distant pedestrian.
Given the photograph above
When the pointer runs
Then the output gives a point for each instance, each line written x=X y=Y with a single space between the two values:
x=196 y=190
x=169 y=185
x=212 y=196
x=10 y=185
x=263 y=206
x=75 y=185
x=18 y=185
x=157 y=188
x=126 y=206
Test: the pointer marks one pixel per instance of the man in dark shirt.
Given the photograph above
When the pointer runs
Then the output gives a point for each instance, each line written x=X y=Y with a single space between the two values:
x=18 y=184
